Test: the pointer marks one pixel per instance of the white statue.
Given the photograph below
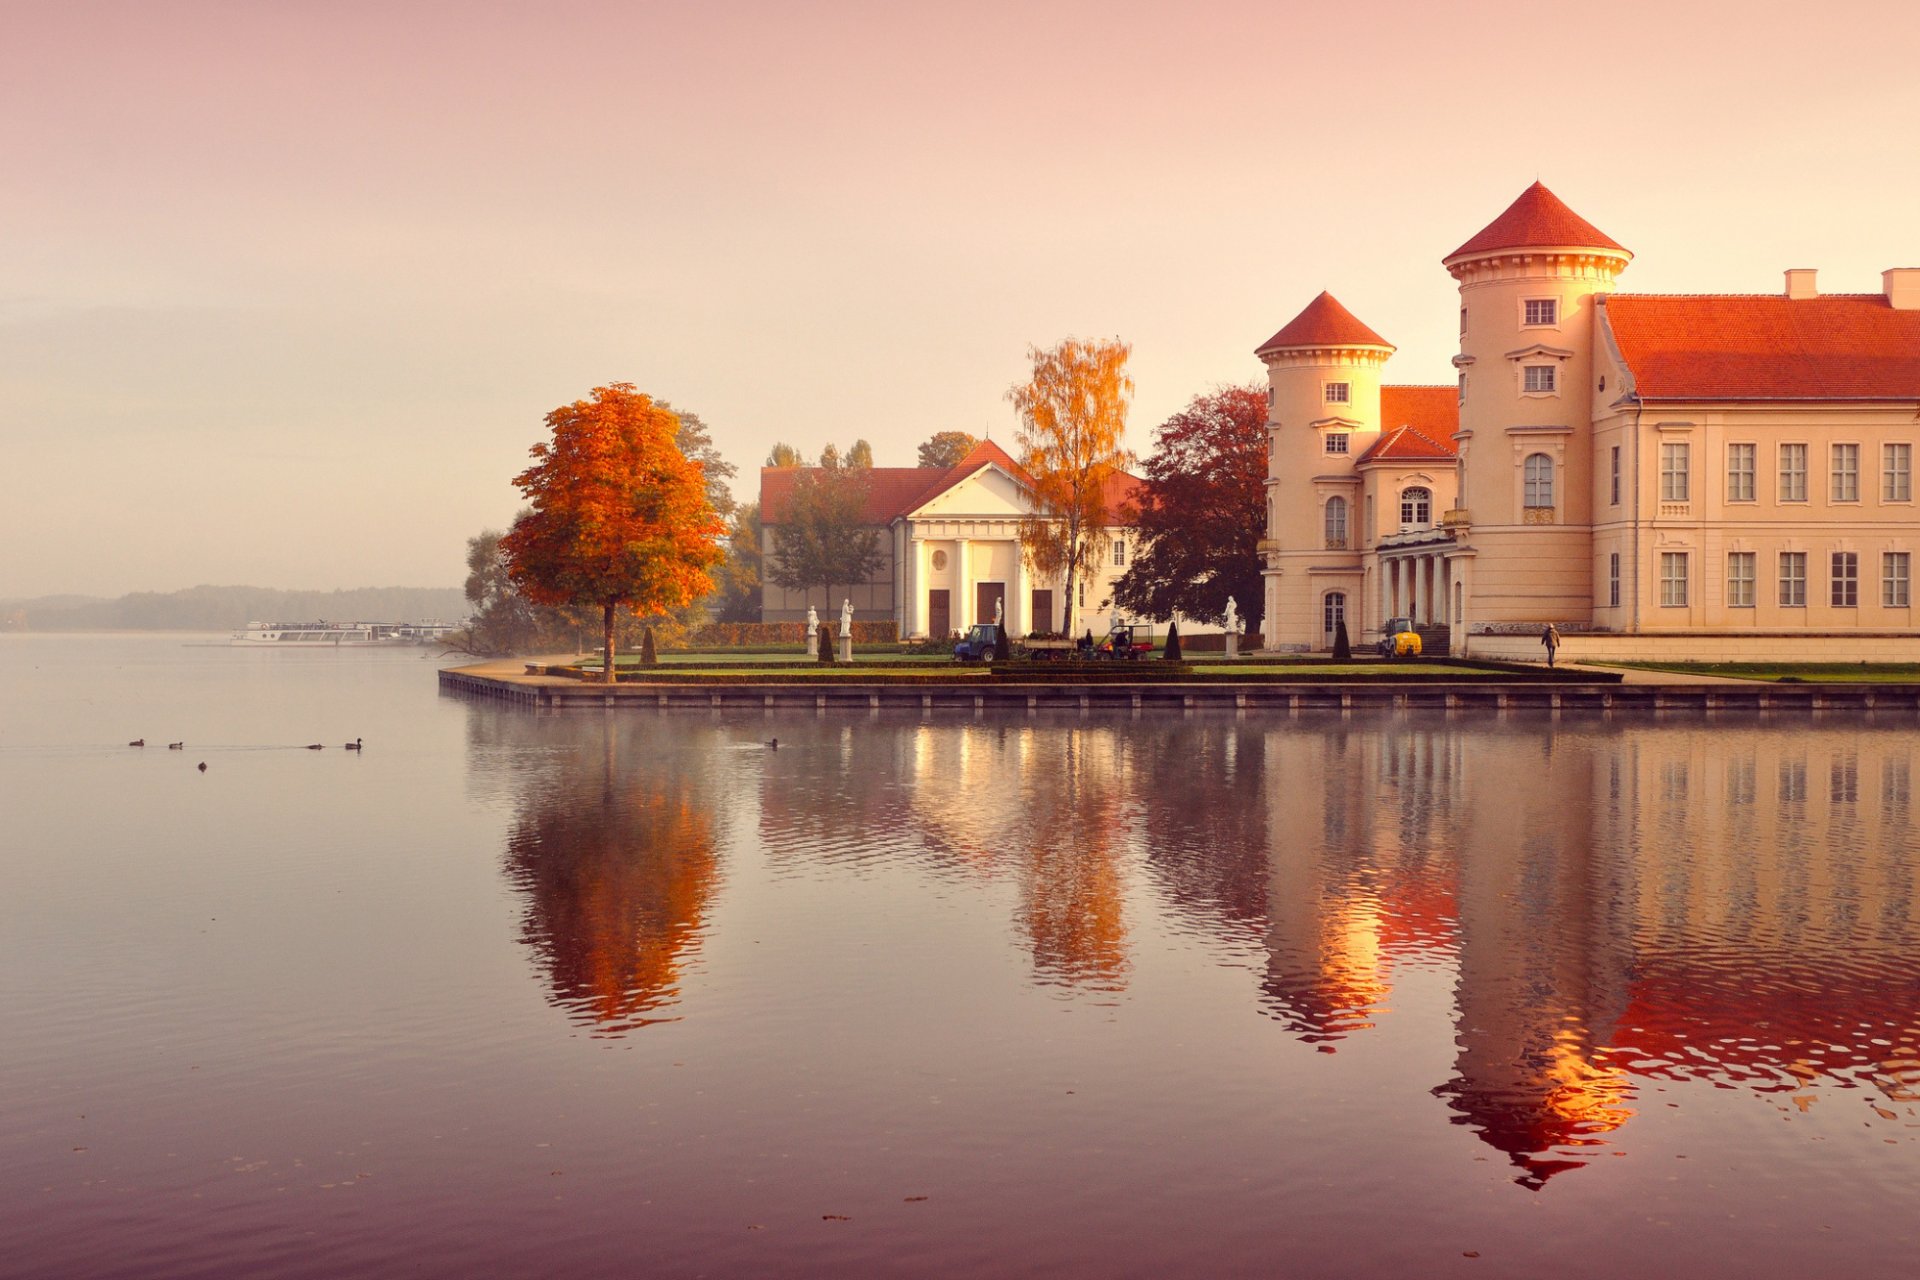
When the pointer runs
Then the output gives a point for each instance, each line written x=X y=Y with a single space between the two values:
x=1233 y=617
x=813 y=621
x=846 y=619
x=998 y=610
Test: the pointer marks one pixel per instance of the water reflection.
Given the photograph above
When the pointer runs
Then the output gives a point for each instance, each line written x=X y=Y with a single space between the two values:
x=1620 y=908
x=617 y=861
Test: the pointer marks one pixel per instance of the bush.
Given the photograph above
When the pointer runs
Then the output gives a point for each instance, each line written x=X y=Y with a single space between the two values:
x=1002 y=652
x=1172 y=652
x=826 y=644
x=649 y=657
x=1342 y=647
x=746 y=635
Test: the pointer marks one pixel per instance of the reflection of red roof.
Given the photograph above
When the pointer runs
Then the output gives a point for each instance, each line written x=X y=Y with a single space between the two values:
x=1324 y=323
x=1416 y=425
x=1537 y=220
x=1767 y=347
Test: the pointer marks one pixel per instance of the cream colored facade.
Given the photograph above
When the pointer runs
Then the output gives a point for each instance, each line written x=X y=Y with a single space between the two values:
x=1668 y=476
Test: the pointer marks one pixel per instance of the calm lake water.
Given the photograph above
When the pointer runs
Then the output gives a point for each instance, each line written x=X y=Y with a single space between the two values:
x=634 y=994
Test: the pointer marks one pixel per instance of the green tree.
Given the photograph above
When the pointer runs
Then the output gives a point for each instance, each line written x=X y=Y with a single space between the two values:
x=696 y=443
x=946 y=448
x=783 y=455
x=860 y=454
x=738 y=597
x=621 y=519
x=1073 y=420
x=824 y=539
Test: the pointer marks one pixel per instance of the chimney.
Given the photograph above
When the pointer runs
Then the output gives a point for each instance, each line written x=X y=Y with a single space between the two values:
x=1902 y=287
x=1800 y=282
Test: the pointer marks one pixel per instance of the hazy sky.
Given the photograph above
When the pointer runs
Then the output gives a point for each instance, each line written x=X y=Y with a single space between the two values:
x=286 y=288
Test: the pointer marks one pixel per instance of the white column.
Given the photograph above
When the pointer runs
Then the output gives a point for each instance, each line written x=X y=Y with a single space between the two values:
x=1017 y=595
x=1419 y=566
x=1444 y=572
x=1385 y=569
x=1394 y=588
x=922 y=579
x=963 y=587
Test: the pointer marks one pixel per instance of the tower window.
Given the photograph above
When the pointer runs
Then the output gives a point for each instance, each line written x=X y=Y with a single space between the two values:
x=1336 y=524
x=1339 y=393
x=1336 y=442
x=1542 y=311
x=1537 y=481
x=1539 y=378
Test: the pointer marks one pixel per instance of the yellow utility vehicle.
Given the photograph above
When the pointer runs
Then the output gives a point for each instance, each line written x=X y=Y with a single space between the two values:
x=1398 y=639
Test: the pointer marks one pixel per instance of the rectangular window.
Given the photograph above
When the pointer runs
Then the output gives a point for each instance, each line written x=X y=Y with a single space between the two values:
x=1339 y=393
x=1613 y=581
x=1539 y=377
x=1793 y=473
x=1846 y=580
x=1740 y=460
x=1336 y=442
x=1793 y=579
x=1673 y=579
x=1616 y=475
x=1463 y=388
x=1543 y=311
x=1119 y=552
x=1896 y=572
x=1846 y=473
x=1896 y=473
x=1463 y=322
x=1673 y=472
x=1740 y=573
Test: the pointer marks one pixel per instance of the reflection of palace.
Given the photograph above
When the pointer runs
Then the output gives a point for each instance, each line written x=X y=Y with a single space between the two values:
x=617 y=862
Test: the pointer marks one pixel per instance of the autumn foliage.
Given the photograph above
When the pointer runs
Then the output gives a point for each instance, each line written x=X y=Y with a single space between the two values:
x=620 y=519
x=1073 y=421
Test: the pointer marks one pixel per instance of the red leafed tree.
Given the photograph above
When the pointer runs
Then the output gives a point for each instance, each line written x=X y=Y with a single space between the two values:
x=1203 y=512
x=621 y=518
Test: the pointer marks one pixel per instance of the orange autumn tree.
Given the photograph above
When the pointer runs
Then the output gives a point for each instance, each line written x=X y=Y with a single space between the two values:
x=620 y=518
x=1073 y=419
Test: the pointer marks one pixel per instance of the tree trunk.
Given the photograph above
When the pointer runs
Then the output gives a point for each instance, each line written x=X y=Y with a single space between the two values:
x=608 y=673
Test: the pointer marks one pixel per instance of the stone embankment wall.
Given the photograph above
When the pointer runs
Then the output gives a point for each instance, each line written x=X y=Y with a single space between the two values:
x=1754 y=647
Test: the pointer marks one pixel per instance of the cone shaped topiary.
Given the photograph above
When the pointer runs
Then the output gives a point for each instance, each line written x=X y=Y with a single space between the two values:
x=1172 y=653
x=1342 y=647
x=1002 y=651
x=826 y=644
x=648 y=656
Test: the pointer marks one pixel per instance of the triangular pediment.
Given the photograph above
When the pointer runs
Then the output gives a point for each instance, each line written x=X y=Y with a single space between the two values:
x=991 y=493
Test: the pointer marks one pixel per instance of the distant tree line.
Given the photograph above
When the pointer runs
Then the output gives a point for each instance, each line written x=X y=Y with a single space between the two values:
x=213 y=608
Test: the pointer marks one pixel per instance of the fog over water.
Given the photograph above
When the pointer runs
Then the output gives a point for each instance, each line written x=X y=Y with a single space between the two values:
x=1229 y=995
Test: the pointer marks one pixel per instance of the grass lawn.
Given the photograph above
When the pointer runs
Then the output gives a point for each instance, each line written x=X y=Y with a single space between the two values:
x=1801 y=672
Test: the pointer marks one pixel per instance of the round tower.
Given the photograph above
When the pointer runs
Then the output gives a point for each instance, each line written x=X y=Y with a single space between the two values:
x=1323 y=410
x=1528 y=284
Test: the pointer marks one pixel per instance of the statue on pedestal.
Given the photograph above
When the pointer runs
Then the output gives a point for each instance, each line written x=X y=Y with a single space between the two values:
x=846 y=619
x=813 y=632
x=999 y=609
x=1233 y=617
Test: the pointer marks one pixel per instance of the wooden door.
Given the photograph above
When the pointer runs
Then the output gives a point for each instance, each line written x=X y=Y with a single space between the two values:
x=939 y=615
x=985 y=596
x=1042 y=619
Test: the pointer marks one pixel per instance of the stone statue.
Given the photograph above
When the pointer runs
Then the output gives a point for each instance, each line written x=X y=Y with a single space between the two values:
x=998 y=610
x=1233 y=617
x=813 y=621
x=846 y=619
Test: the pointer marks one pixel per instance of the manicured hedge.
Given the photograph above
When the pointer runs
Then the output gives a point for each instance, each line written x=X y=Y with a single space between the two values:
x=747 y=635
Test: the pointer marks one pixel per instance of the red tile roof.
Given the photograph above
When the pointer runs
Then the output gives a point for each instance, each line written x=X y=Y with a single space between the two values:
x=1324 y=323
x=1416 y=425
x=1537 y=220
x=1767 y=347
x=892 y=492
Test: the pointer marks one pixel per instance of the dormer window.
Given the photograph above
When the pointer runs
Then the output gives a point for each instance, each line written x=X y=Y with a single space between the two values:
x=1336 y=442
x=1539 y=379
x=1541 y=311
x=1340 y=393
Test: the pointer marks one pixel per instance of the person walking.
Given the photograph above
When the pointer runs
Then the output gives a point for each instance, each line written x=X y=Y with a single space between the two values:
x=1550 y=639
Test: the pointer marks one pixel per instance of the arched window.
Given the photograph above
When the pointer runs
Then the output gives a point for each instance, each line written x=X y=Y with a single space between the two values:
x=1336 y=524
x=1539 y=481
x=1416 y=506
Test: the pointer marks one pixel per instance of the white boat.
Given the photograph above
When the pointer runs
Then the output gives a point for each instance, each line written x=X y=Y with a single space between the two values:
x=333 y=635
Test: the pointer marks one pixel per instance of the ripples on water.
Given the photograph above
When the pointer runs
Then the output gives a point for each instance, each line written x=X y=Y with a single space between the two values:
x=1213 y=995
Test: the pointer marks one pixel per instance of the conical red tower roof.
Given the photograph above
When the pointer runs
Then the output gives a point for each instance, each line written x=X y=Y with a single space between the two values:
x=1325 y=323
x=1539 y=219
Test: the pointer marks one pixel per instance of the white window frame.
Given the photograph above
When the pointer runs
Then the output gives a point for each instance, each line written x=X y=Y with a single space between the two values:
x=1416 y=511
x=1546 y=316
x=1339 y=393
x=1673 y=579
x=1844 y=472
x=1793 y=579
x=1793 y=472
x=1743 y=457
x=1613 y=580
x=1742 y=568
x=1896 y=579
x=1336 y=442
x=1119 y=552
x=1615 y=470
x=1844 y=580
x=1336 y=520
x=1676 y=460
x=1535 y=487
x=1533 y=374
x=1896 y=471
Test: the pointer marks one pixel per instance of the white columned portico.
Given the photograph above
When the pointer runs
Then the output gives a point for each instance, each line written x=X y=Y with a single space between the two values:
x=1419 y=566
x=962 y=609
x=1443 y=572
x=1386 y=593
x=922 y=577
x=1017 y=595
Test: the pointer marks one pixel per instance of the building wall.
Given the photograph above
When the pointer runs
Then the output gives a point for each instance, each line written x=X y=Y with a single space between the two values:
x=871 y=599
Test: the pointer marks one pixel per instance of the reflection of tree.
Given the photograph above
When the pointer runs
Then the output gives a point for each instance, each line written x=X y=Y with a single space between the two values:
x=618 y=863
x=1071 y=887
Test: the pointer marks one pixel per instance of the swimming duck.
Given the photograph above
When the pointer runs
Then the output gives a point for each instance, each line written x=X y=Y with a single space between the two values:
x=354 y=745
x=176 y=746
x=138 y=742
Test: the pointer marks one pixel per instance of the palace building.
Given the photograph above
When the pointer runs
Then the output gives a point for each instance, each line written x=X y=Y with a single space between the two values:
x=1702 y=476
